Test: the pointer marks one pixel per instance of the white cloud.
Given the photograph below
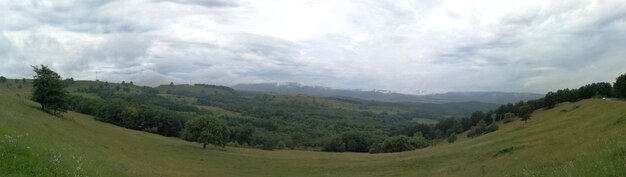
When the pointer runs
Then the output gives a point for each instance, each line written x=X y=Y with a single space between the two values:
x=403 y=45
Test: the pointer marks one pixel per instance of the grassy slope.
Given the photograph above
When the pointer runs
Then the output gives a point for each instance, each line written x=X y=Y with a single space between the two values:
x=585 y=141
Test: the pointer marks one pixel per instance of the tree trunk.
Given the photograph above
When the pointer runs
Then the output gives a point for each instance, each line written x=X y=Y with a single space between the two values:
x=204 y=145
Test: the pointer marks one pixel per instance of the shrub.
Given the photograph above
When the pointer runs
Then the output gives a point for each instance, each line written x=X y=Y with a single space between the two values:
x=399 y=143
x=491 y=128
x=270 y=145
x=508 y=117
x=452 y=138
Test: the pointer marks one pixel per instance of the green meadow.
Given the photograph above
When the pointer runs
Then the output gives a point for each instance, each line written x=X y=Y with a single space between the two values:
x=586 y=138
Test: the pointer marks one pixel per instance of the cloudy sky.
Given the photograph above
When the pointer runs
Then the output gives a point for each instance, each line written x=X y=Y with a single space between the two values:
x=398 y=45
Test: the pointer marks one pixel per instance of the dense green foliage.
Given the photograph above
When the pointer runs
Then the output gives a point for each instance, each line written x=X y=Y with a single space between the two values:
x=508 y=117
x=206 y=130
x=451 y=138
x=482 y=128
x=48 y=90
x=351 y=142
x=620 y=86
x=525 y=109
x=122 y=113
x=258 y=120
x=400 y=143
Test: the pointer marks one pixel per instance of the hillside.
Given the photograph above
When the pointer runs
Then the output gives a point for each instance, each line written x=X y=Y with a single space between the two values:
x=387 y=96
x=264 y=121
x=586 y=138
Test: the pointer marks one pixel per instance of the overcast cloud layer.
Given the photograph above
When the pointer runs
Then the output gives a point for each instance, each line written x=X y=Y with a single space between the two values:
x=398 y=45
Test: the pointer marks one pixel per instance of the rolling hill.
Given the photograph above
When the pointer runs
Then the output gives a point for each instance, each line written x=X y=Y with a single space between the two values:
x=586 y=138
x=387 y=96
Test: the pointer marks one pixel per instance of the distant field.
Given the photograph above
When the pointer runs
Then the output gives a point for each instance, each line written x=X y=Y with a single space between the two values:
x=587 y=138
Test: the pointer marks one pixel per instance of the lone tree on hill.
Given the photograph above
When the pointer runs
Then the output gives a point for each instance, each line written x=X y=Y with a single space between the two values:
x=206 y=130
x=48 y=90
x=525 y=112
x=620 y=86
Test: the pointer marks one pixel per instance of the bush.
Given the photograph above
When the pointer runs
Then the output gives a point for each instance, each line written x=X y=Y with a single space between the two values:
x=270 y=145
x=491 y=128
x=509 y=117
x=399 y=143
x=452 y=138
x=474 y=132
x=509 y=120
x=481 y=128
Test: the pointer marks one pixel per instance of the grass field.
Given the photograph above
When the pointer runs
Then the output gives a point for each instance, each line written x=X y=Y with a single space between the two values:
x=587 y=138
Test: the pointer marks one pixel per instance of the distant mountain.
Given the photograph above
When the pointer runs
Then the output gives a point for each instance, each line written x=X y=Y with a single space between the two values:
x=387 y=96
x=486 y=97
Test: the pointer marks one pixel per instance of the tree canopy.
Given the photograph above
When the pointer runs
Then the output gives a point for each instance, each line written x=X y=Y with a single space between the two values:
x=525 y=113
x=48 y=90
x=206 y=130
x=620 y=86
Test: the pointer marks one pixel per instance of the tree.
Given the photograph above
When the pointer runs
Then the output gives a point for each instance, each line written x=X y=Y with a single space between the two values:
x=619 y=87
x=551 y=99
x=350 y=142
x=48 y=90
x=206 y=130
x=525 y=112
x=3 y=79
x=171 y=83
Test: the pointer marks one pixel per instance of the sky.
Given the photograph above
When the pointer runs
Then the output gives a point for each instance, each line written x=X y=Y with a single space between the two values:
x=406 y=46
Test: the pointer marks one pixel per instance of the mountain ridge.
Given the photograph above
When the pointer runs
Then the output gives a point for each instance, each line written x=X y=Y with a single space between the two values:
x=388 y=96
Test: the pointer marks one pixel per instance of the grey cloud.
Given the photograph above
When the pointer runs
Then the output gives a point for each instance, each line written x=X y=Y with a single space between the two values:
x=258 y=58
x=374 y=45
x=5 y=46
x=535 y=49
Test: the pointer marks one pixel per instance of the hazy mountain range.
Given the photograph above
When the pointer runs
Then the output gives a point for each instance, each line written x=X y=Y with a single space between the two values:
x=388 y=96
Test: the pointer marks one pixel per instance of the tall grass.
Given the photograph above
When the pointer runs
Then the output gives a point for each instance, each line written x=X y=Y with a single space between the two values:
x=17 y=159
